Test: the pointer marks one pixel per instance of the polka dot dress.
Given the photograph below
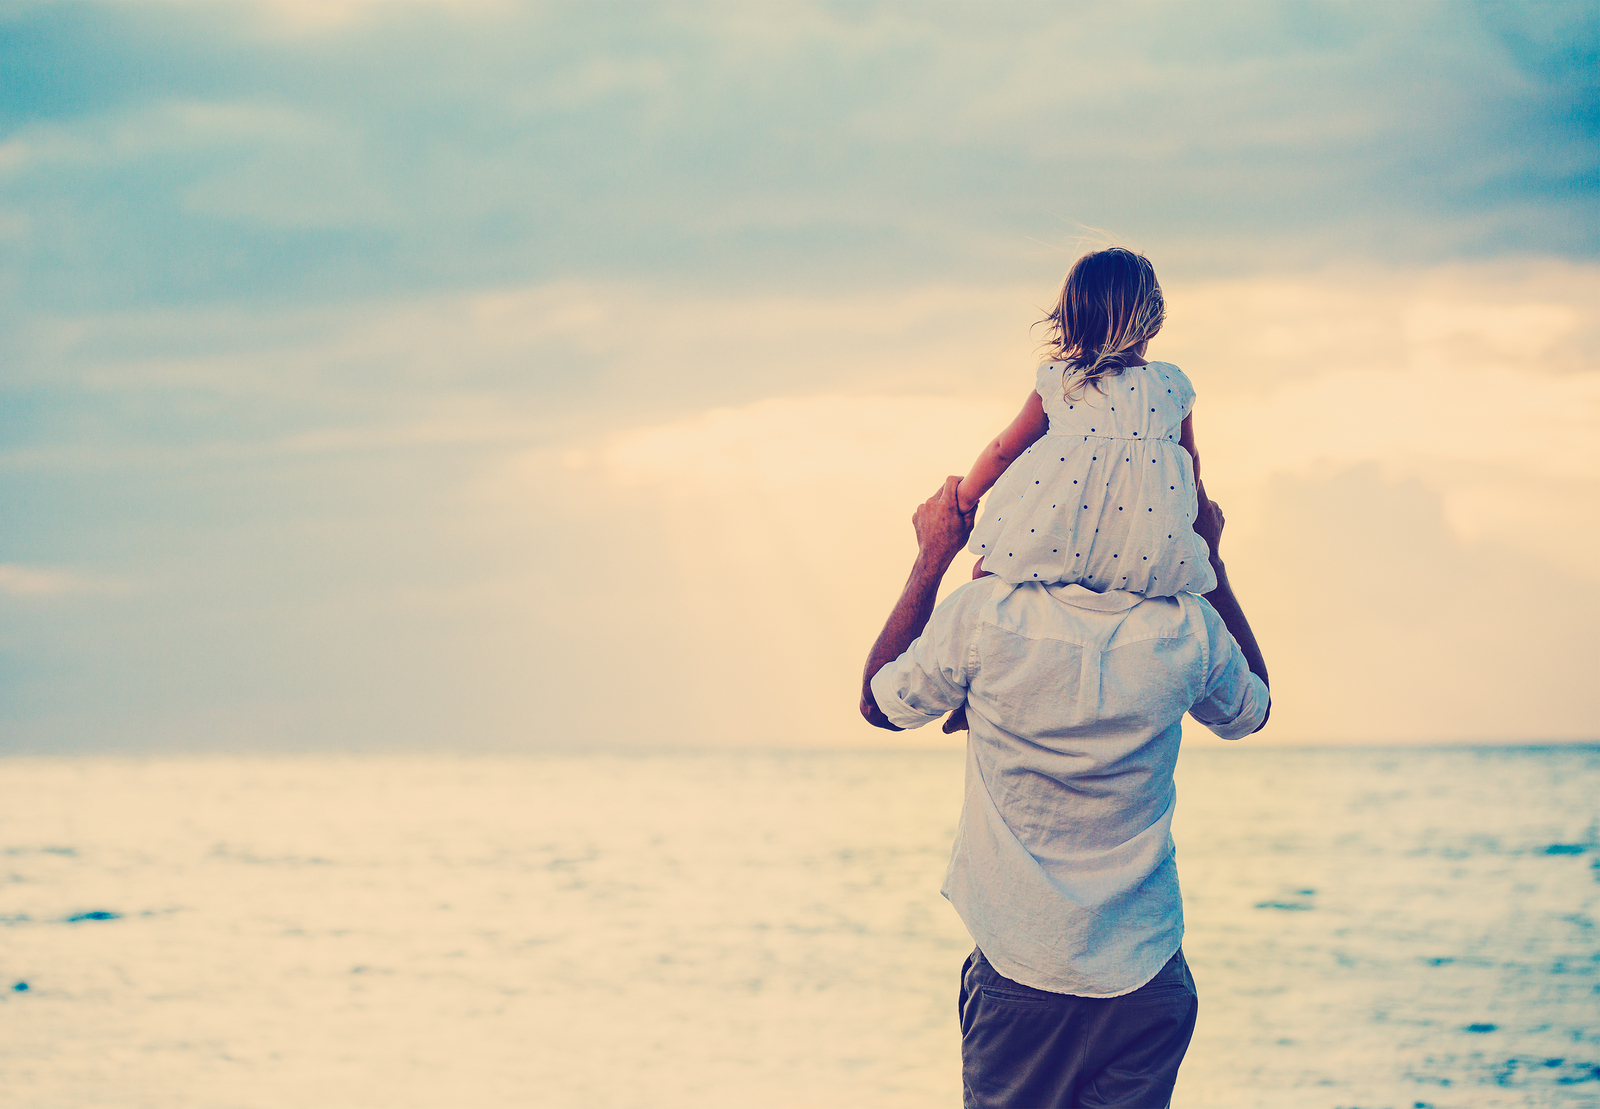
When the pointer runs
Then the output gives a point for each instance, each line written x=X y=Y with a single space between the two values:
x=1106 y=498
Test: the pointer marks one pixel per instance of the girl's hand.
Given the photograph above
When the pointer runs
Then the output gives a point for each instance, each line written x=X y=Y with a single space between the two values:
x=967 y=498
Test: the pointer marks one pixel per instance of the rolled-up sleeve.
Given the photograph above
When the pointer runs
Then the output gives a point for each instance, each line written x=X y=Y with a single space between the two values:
x=1235 y=701
x=931 y=677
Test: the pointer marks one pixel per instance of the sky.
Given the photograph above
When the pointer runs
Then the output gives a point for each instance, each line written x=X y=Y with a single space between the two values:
x=487 y=376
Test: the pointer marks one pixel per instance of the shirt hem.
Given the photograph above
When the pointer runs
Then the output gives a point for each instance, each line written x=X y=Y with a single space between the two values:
x=1143 y=982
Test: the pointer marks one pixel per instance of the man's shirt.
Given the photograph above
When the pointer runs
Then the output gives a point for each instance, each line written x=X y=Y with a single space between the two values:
x=1063 y=865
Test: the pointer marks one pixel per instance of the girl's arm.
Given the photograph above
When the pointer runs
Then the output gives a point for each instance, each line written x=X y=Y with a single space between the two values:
x=1024 y=431
x=1186 y=441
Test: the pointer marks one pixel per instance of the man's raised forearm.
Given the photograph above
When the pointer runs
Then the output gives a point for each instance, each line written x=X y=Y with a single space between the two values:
x=906 y=621
x=1227 y=605
x=1209 y=523
x=941 y=533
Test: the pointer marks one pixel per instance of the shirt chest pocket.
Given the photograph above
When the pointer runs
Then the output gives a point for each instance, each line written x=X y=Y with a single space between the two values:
x=1038 y=687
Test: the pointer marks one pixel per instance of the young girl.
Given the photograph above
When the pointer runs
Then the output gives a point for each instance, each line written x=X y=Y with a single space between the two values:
x=1096 y=480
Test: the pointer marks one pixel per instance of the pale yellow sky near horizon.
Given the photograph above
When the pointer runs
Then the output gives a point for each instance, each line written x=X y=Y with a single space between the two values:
x=1409 y=461
x=1444 y=424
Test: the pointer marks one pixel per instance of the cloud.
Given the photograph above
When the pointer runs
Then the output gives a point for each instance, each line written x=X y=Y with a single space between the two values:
x=1409 y=487
x=1481 y=383
x=17 y=580
x=156 y=130
x=273 y=165
x=504 y=364
x=178 y=155
x=639 y=514
x=1381 y=622
x=327 y=17
x=528 y=375
x=790 y=443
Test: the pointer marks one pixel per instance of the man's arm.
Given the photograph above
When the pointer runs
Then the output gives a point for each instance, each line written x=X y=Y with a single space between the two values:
x=941 y=533
x=1209 y=523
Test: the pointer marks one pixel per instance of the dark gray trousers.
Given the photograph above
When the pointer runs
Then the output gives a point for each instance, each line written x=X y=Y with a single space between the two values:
x=1023 y=1048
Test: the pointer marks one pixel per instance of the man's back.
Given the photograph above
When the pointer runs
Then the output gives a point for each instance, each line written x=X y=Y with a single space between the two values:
x=1062 y=866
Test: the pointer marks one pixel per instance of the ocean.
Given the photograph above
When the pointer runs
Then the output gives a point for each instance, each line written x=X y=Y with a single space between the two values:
x=1376 y=928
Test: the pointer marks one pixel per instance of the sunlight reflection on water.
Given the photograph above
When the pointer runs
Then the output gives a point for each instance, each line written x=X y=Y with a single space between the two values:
x=1366 y=927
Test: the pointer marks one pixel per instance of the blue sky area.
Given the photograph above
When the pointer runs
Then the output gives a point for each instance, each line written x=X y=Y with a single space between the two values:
x=250 y=256
x=184 y=154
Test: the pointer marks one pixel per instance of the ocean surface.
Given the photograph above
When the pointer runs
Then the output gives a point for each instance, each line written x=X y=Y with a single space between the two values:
x=1376 y=928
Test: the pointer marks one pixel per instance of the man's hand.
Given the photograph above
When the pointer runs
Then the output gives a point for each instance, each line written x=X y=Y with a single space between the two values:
x=942 y=529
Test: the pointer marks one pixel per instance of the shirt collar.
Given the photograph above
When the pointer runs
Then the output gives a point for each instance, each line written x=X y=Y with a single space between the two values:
x=1112 y=600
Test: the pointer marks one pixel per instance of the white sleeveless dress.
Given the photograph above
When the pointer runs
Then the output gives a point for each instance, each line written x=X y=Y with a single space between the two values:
x=1106 y=497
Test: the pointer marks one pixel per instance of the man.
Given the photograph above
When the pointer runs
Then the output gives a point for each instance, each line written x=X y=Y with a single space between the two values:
x=1077 y=993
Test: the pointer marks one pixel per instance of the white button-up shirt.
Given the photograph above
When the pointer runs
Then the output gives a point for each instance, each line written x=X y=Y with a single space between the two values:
x=1063 y=865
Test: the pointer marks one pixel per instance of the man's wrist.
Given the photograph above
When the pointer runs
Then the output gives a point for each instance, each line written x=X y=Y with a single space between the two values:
x=933 y=564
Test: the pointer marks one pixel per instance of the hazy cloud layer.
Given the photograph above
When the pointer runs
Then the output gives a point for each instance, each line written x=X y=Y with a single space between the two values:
x=181 y=152
x=503 y=375
x=389 y=527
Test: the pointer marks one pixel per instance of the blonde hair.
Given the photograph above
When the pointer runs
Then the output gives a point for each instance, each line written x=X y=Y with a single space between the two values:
x=1110 y=303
